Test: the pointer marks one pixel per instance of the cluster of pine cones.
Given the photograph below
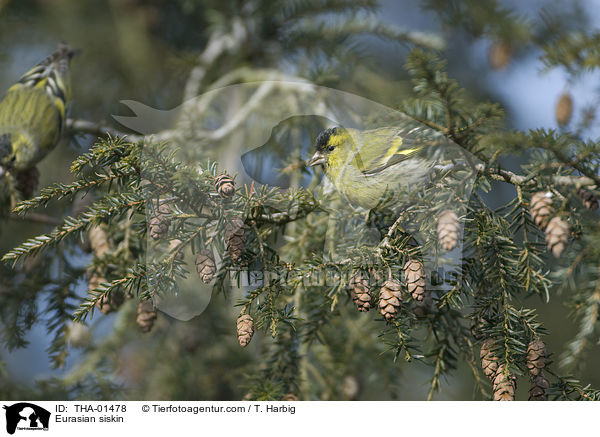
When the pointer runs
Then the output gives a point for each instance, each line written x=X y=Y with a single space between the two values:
x=100 y=245
x=159 y=222
x=504 y=383
x=555 y=226
x=206 y=267
x=390 y=295
x=158 y=227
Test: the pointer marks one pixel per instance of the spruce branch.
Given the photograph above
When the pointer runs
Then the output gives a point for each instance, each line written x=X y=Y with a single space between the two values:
x=99 y=211
x=134 y=280
x=99 y=130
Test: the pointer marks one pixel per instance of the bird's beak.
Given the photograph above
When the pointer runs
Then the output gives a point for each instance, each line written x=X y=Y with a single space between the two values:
x=317 y=159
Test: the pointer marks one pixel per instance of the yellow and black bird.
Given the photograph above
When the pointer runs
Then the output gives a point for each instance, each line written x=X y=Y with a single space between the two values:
x=365 y=166
x=32 y=113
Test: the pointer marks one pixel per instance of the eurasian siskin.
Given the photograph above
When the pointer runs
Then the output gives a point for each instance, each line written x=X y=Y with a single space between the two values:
x=32 y=113
x=366 y=166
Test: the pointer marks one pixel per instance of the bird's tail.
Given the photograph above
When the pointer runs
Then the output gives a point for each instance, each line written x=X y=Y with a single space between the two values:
x=51 y=75
x=57 y=64
x=59 y=59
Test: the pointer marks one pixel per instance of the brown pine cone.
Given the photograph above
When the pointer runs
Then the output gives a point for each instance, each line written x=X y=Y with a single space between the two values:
x=557 y=236
x=104 y=306
x=159 y=220
x=245 y=329
x=505 y=385
x=98 y=241
x=536 y=357
x=390 y=298
x=225 y=186
x=539 y=385
x=27 y=181
x=589 y=200
x=489 y=360
x=500 y=54
x=564 y=109
x=422 y=308
x=107 y=304
x=477 y=326
x=146 y=315
x=291 y=397
x=95 y=278
x=414 y=275
x=205 y=266
x=541 y=208
x=360 y=291
x=234 y=237
x=448 y=230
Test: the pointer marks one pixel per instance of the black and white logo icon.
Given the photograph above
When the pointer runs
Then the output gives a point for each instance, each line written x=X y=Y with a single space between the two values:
x=26 y=416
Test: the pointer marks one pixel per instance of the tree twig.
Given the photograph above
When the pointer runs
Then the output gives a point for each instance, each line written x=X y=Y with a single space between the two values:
x=36 y=218
x=218 y=44
x=88 y=127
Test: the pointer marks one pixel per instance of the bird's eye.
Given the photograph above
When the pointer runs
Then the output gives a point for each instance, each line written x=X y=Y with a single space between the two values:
x=330 y=148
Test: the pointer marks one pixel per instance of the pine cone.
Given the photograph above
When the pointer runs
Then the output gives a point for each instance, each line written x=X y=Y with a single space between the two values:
x=505 y=385
x=541 y=209
x=107 y=304
x=234 y=236
x=159 y=220
x=27 y=181
x=448 y=230
x=500 y=54
x=360 y=291
x=205 y=266
x=422 y=308
x=291 y=397
x=104 y=306
x=557 y=236
x=477 y=327
x=95 y=278
x=589 y=200
x=414 y=275
x=98 y=241
x=146 y=315
x=489 y=360
x=564 y=109
x=225 y=186
x=536 y=357
x=390 y=298
x=173 y=244
x=539 y=385
x=245 y=329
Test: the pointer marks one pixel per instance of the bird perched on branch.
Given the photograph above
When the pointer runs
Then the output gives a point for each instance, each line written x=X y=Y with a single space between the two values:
x=366 y=166
x=32 y=113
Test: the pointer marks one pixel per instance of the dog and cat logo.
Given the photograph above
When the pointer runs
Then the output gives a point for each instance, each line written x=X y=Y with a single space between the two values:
x=26 y=416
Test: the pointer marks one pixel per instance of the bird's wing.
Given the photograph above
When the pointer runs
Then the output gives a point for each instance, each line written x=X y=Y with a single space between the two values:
x=381 y=148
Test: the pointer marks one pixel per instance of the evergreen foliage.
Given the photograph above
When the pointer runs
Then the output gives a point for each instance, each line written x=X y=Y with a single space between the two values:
x=308 y=334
